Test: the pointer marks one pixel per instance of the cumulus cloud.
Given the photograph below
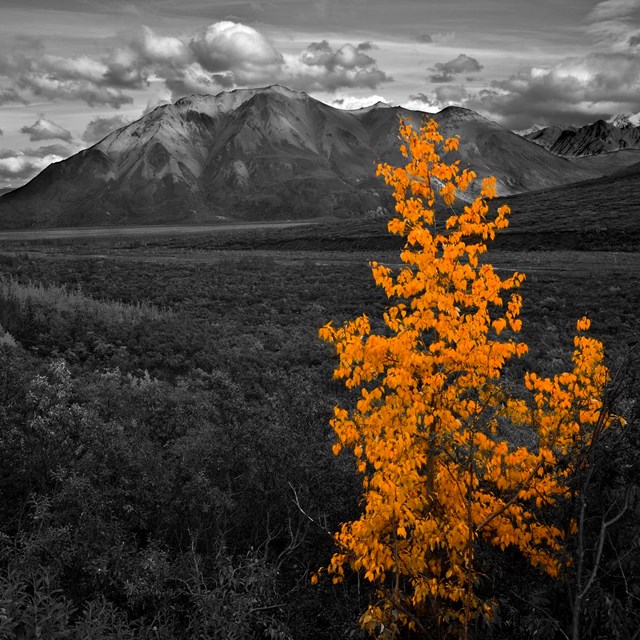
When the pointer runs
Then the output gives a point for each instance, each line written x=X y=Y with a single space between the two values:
x=35 y=73
x=125 y=70
x=320 y=67
x=99 y=128
x=443 y=96
x=43 y=129
x=194 y=79
x=226 y=54
x=421 y=102
x=155 y=48
x=352 y=102
x=232 y=46
x=573 y=91
x=451 y=95
x=445 y=71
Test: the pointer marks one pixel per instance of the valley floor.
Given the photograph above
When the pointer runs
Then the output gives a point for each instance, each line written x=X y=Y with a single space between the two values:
x=192 y=408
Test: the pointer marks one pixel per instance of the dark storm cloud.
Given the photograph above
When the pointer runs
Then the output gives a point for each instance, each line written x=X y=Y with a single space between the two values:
x=423 y=38
x=445 y=71
x=44 y=129
x=634 y=41
x=99 y=128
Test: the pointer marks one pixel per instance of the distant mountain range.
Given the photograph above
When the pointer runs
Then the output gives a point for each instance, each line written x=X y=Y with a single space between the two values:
x=257 y=154
x=619 y=132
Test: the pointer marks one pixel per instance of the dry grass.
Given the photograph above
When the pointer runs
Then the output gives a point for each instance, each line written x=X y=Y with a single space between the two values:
x=74 y=301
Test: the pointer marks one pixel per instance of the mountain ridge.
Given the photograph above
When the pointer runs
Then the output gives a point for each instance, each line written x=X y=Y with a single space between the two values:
x=602 y=136
x=263 y=153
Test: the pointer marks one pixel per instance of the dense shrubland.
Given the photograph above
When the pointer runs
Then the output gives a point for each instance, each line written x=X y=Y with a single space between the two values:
x=166 y=466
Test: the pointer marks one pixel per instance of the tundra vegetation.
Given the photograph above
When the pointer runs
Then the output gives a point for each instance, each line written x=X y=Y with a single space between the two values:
x=166 y=435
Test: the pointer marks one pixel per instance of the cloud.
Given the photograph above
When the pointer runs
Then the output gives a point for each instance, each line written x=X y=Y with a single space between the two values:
x=11 y=95
x=612 y=22
x=235 y=47
x=445 y=71
x=53 y=77
x=451 y=95
x=421 y=102
x=352 y=102
x=634 y=41
x=155 y=48
x=1 y=132
x=229 y=54
x=44 y=129
x=225 y=55
x=443 y=96
x=613 y=9
x=573 y=91
x=446 y=36
x=125 y=70
x=16 y=167
x=194 y=79
x=99 y=128
x=320 y=67
x=424 y=38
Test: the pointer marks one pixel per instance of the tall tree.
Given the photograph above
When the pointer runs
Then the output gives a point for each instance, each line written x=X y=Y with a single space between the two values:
x=438 y=479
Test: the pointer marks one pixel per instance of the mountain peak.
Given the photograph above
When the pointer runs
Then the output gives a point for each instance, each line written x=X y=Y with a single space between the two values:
x=624 y=120
x=461 y=113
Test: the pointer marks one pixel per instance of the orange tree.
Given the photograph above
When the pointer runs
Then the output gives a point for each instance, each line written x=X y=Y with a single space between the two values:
x=437 y=479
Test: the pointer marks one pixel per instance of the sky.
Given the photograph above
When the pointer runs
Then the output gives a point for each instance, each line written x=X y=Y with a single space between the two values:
x=71 y=71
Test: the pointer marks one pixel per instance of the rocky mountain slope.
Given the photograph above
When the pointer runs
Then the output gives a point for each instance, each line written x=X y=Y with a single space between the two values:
x=592 y=139
x=258 y=154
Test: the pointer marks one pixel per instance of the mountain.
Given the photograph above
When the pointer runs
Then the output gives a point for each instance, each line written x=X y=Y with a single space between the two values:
x=592 y=139
x=622 y=120
x=261 y=154
x=545 y=136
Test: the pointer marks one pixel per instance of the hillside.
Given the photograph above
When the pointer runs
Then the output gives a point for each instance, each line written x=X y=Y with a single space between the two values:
x=600 y=214
x=260 y=154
